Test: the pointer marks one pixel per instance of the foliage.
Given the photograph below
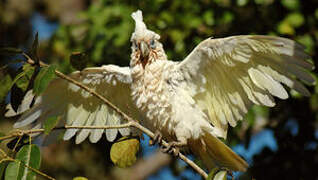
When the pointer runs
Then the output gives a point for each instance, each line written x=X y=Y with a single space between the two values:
x=28 y=156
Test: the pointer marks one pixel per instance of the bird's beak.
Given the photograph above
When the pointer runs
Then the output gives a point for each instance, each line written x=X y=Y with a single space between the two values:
x=144 y=49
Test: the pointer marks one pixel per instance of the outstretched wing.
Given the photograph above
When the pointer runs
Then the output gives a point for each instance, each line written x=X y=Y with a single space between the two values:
x=78 y=108
x=228 y=75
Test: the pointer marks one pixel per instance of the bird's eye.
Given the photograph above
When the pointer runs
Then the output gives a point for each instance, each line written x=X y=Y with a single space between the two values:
x=152 y=44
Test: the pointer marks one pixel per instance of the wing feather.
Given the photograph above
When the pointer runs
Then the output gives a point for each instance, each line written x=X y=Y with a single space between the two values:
x=79 y=108
x=240 y=71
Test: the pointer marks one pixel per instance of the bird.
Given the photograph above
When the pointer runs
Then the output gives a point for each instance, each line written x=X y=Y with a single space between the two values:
x=191 y=103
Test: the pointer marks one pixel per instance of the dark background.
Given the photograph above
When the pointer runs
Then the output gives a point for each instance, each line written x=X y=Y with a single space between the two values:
x=278 y=143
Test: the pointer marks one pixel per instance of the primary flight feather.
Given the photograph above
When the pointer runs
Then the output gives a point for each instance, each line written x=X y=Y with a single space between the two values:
x=189 y=102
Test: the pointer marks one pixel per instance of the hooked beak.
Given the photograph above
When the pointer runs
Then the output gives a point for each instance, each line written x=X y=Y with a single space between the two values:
x=144 y=49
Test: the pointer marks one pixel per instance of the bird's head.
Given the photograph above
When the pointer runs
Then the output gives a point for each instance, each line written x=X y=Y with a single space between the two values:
x=146 y=47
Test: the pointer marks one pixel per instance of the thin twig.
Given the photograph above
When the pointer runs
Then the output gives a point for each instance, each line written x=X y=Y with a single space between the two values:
x=133 y=122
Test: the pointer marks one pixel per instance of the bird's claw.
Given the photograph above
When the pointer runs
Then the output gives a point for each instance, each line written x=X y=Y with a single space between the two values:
x=157 y=139
x=171 y=148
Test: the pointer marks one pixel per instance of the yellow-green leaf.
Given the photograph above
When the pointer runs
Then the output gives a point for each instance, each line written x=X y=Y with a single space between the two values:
x=43 y=79
x=285 y=28
x=80 y=178
x=50 y=123
x=123 y=152
x=295 y=19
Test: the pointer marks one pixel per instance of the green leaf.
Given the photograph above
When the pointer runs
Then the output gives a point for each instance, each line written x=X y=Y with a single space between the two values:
x=8 y=51
x=22 y=80
x=80 y=178
x=43 y=79
x=307 y=41
x=79 y=60
x=295 y=19
x=285 y=28
x=29 y=155
x=50 y=123
x=123 y=152
x=290 y=4
x=20 y=84
x=3 y=166
x=12 y=171
x=5 y=82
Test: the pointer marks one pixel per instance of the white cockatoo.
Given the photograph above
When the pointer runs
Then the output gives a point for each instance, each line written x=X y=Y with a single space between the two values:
x=190 y=102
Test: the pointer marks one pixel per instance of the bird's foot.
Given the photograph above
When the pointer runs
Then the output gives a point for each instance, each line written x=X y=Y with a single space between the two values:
x=157 y=139
x=173 y=147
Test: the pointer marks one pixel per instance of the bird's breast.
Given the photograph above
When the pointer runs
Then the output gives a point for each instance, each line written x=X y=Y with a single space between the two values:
x=151 y=93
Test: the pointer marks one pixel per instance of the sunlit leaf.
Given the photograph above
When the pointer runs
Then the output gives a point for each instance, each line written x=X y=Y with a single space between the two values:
x=123 y=152
x=50 y=123
x=285 y=28
x=290 y=4
x=43 y=79
x=295 y=19
x=29 y=155
x=12 y=171
x=208 y=17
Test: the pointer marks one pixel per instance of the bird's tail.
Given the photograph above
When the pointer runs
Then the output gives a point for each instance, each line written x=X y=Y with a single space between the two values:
x=214 y=153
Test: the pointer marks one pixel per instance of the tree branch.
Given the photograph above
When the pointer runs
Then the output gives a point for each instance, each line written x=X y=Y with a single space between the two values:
x=131 y=122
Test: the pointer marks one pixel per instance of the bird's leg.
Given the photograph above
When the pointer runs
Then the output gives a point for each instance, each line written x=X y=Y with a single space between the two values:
x=173 y=147
x=157 y=139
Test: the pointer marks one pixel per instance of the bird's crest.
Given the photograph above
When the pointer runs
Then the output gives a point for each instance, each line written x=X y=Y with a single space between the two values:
x=141 y=31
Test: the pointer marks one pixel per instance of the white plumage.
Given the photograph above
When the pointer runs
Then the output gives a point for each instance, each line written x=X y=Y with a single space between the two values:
x=191 y=102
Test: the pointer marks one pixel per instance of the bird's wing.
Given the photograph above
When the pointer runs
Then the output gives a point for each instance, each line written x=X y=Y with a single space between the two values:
x=79 y=108
x=228 y=75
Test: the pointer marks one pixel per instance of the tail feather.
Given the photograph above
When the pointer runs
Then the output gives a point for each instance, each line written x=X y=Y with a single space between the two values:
x=214 y=153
